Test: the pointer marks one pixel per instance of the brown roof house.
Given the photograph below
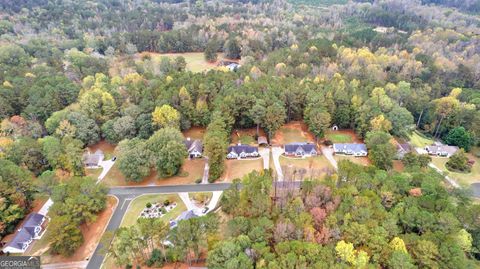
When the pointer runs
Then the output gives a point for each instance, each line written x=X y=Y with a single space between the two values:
x=438 y=149
x=92 y=160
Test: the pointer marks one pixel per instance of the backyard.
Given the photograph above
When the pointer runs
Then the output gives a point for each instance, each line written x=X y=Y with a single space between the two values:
x=139 y=203
x=246 y=136
x=419 y=140
x=194 y=133
x=342 y=136
x=295 y=131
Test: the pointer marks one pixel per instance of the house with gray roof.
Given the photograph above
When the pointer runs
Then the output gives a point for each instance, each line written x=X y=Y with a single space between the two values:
x=194 y=147
x=92 y=160
x=440 y=150
x=242 y=151
x=300 y=149
x=403 y=149
x=354 y=149
x=30 y=230
x=186 y=215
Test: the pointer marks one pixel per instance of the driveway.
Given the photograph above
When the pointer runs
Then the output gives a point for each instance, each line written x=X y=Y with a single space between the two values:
x=276 y=153
x=187 y=201
x=265 y=153
x=206 y=172
x=328 y=153
x=449 y=179
x=106 y=165
x=214 y=201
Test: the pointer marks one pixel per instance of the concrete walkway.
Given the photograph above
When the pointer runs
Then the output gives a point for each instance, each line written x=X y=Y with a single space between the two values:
x=265 y=153
x=328 y=153
x=276 y=153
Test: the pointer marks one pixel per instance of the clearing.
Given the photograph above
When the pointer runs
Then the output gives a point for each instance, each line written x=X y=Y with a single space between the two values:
x=239 y=168
x=294 y=131
x=301 y=168
x=190 y=171
x=137 y=205
x=91 y=233
x=419 y=140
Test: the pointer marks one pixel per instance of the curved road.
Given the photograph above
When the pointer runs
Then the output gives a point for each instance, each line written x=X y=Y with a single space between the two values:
x=126 y=194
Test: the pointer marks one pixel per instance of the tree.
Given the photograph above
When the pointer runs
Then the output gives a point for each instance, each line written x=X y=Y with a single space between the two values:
x=168 y=151
x=318 y=120
x=275 y=116
x=215 y=145
x=166 y=116
x=380 y=123
x=381 y=151
x=232 y=48
x=412 y=160
x=67 y=236
x=401 y=119
x=458 y=162
x=459 y=137
x=211 y=51
x=134 y=159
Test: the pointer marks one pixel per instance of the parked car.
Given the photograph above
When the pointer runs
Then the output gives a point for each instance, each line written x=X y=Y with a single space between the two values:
x=114 y=158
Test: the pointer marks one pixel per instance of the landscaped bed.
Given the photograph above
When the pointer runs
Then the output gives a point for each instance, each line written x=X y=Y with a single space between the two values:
x=139 y=204
x=91 y=233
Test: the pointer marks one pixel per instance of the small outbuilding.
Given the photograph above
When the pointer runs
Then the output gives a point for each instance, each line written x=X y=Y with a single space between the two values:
x=262 y=141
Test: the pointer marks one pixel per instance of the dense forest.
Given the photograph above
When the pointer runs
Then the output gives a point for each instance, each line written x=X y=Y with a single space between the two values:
x=381 y=68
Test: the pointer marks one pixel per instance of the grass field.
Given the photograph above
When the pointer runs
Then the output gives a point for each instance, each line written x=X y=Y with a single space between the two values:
x=315 y=166
x=137 y=205
x=358 y=160
x=463 y=178
x=339 y=137
x=239 y=168
x=419 y=140
x=195 y=60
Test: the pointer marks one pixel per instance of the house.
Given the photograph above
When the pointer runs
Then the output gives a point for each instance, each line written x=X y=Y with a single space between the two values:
x=233 y=66
x=300 y=149
x=194 y=147
x=438 y=149
x=403 y=149
x=186 y=215
x=242 y=151
x=357 y=150
x=30 y=230
x=262 y=140
x=92 y=160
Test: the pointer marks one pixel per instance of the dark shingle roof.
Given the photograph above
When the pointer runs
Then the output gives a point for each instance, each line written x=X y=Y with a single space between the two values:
x=300 y=147
x=19 y=239
x=27 y=232
x=193 y=145
x=242 y=148
x=350 y=147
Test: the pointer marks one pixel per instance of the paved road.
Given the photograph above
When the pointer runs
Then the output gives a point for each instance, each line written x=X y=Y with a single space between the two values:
x=65 y=265
x=126 y=194
x=276 y=153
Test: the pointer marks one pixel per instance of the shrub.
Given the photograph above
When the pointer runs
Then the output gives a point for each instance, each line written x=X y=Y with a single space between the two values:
x=156 y=258
x=148 y=205
x=163 y=210
x=198 y=180
x=458 y=162
x=166 y=202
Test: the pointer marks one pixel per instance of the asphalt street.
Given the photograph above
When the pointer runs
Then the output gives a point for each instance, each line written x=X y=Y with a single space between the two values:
x=126 y=194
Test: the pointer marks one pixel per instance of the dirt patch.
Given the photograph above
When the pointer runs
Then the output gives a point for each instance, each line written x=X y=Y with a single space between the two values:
x=102 y=145
x=195 y=133
x=398 y=166
x=294 y=131
x=239 y=168
x=91 y=233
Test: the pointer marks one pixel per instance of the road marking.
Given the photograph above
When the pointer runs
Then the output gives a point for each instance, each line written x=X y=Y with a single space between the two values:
x=127 y=199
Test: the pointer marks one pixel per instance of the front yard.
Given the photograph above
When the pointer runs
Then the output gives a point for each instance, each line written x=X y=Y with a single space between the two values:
x=139 y=203
x=463 y=178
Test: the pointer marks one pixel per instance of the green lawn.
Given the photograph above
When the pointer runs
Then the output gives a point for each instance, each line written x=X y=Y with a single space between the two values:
x=419 y=140
x=195 y=60
x=463 y=178
x=137 y=205
x=339 y=138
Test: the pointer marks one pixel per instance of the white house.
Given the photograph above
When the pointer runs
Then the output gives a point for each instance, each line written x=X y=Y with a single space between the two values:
x=357 y=150
x=242 y=151
x=30 y=230
x=300 y=149
x=194 y=148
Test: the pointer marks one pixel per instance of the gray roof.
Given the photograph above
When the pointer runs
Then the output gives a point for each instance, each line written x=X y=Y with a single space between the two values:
x=436 y=149
x=404 y=147
x=242 y=148
x=350 y=147
x=192 y=145
x=93 y=158
x=187 y=215
x=262 y=140
x=27 y=232
x=300 y=147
